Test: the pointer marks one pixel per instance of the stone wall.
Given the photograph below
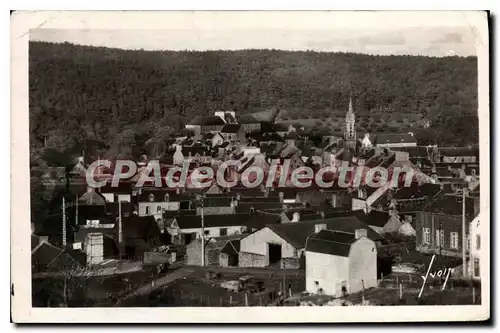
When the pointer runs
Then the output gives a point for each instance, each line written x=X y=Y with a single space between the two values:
x=251 y=260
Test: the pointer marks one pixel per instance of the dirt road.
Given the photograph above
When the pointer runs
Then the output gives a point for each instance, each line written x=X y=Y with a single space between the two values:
x=160 y=282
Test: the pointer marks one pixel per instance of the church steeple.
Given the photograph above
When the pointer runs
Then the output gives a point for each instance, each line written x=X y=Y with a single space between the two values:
x=350 y=127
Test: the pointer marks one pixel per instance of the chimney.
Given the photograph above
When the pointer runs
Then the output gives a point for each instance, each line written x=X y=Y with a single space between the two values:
x=296 y=217
x=319 y=227
x=358 y=233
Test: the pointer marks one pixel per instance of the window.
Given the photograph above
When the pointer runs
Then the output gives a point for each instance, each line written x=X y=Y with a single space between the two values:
x=151 y=197
x=454 y=240
x=223 y=231
x=147 y=210
x=167 y=197
x=468 y=242
x=427 y=236
x=158 y=209
x=439 y=237
x=476 y=267
x=478 y=242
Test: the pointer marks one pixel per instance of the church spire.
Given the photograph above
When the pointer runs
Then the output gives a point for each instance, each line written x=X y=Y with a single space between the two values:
x=350 y=126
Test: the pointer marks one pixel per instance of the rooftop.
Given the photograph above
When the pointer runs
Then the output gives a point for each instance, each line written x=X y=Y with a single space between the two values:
x=330 y=242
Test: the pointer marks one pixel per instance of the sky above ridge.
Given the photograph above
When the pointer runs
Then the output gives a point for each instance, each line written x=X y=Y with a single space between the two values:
x=435 y=35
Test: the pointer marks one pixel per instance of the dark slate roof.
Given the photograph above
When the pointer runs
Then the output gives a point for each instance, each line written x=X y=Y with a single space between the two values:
x=451 y=205
x=196 y=149
x=262 y=198
x=45 y=254
x=207 y=121
x=140 y=228
x=215 y=201
x=366 y=154
x=291 y=135
x=253 y=221
x=159 y=195
x=395 y=138
x=415 y=191
x=232 y=247
x=459 y=151
x=331 y=212
x=123 y=187
x=417 y=151
x=247 y=191
x=331 y=242
x=112 y=208
x=92 y=198
x=35 y=240
x=230 y=128
x=296 y=233
x=375 y=218
x=245 y=208
x=268 y=148
x=247 y=119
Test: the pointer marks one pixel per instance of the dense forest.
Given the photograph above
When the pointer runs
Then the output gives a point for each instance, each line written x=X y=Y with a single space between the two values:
x=113 y=101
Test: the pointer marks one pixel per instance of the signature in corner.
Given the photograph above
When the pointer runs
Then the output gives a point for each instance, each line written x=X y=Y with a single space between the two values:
x=435 y=274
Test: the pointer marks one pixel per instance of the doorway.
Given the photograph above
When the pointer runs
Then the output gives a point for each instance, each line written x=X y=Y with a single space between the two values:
x=274 y=251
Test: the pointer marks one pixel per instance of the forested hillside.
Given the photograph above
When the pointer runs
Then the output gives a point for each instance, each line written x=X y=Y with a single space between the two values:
x=110 y=100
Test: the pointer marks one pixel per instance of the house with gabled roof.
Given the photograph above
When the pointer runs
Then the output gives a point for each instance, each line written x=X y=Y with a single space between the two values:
x=204 y=124
x=185 y=228
x=282 y=245
x=340 y=263
x=233 y=133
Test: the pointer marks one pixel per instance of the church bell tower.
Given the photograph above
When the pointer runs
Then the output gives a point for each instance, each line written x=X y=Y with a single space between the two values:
x=350 y=127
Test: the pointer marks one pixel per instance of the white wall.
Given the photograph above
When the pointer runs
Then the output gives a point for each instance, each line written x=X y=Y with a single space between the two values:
x=397 y=144
x=362 y=265
x=214 y=231
x=358 y=204
x=475 y=253
x=174 y=205
x=257 y=243
x=328 y=270
x=110 y=197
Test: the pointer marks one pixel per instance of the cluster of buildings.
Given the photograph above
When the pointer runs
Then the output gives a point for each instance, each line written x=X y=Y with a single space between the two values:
x=339 y=236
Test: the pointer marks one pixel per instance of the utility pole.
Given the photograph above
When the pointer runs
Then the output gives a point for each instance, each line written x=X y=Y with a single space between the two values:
x=464 y=238
x=76 y=211
x=63 y=222
x=120 y=232
x=202 y=235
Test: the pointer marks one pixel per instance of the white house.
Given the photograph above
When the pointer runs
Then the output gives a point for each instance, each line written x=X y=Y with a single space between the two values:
x=283 y=245
x=339 y=263
x=185 y=228
x=475 y=248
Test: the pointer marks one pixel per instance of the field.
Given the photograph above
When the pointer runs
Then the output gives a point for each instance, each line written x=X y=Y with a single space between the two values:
x=196 y=290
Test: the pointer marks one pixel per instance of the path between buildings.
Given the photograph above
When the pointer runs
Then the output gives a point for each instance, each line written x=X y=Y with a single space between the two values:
x=251 y=270
x=160 y=282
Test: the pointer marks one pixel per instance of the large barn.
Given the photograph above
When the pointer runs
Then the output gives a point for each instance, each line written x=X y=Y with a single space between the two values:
x=282 y=245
